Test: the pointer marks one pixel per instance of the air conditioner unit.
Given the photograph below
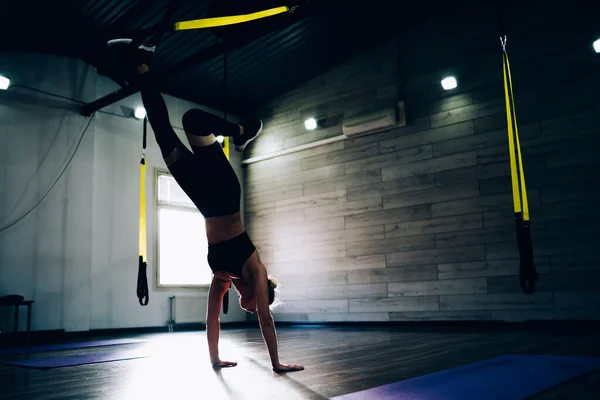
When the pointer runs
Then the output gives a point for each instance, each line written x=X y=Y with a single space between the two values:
x=369 y=123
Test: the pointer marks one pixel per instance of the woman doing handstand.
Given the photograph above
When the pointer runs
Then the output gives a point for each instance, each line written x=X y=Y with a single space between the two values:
x=208 y=179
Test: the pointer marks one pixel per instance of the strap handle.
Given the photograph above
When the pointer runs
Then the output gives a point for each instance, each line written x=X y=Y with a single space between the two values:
x=142 y=283
x=144 y=135
x=226 y=302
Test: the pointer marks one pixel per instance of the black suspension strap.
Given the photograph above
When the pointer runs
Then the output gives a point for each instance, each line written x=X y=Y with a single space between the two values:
x=142 y=280
x=225 y=86
x=527 y=272
x=226 y=150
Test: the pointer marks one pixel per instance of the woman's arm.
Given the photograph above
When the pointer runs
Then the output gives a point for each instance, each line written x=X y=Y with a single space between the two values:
x=215 y=297
x=265 y=319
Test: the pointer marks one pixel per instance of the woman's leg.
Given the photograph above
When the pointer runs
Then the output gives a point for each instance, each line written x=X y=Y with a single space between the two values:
x=180 y=161
x=206 y=175
x=171 y=147
x=222 y=182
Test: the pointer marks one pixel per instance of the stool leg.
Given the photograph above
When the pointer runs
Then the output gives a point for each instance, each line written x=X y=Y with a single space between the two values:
x=28 y=323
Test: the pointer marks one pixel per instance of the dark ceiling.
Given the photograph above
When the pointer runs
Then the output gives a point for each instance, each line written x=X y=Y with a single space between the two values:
x=267 y=58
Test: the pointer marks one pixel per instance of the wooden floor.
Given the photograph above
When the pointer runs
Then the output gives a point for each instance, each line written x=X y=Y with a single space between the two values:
x=338 y=360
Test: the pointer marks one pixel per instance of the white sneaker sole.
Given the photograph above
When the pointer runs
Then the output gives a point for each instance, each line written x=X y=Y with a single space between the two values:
x=243 y=147
x=128 y=41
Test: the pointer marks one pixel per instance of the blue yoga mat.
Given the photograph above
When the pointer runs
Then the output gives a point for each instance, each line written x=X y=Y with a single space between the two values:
x=508 y=377
x=67 y=346
x=70 y=361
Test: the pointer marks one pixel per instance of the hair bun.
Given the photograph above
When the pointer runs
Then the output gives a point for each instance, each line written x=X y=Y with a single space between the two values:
x=273 y=283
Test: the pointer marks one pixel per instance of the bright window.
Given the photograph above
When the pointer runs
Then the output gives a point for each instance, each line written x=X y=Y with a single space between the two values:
x=182 y=245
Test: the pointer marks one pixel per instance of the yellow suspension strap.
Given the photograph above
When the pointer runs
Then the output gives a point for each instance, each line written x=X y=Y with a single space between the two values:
x=230 y=20
x=142 y=280
x=225 y=146
x=527 y=272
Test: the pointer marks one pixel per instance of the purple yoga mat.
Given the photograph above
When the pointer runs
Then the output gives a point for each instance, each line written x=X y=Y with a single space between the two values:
x=508 y=377
x=82 y=359
x=68 y=346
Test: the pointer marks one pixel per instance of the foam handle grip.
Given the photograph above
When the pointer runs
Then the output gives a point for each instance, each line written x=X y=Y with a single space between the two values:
x=226 y=302
x=527 y=272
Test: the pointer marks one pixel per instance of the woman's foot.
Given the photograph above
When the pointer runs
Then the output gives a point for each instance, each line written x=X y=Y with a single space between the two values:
x=252 y=128
x=135 y=60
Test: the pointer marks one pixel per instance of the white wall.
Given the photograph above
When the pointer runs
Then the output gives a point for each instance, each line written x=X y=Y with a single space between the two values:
x=76 y=253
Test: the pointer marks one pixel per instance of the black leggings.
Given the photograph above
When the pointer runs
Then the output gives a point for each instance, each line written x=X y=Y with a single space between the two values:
x=205 y=174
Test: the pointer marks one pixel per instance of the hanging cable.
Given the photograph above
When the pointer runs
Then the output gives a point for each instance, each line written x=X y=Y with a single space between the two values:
x=49 y=189
x=225 y=86
x=38 y=169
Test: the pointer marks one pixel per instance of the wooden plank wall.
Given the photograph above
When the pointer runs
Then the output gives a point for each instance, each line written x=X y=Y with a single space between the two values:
x=416 y=223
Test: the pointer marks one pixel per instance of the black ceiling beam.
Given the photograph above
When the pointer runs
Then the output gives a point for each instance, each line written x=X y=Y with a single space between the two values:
x=207 y=54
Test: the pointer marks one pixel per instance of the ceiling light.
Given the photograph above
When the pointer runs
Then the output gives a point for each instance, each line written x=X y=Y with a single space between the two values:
x=597 y=46
x=140 y=113
x=449 y=83
x=220 y=139
x=310 y=124
x=4 y=82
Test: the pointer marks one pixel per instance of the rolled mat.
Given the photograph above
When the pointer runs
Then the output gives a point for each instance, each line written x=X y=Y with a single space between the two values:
x=508 y=377
x=81 y=359
x=67 y=346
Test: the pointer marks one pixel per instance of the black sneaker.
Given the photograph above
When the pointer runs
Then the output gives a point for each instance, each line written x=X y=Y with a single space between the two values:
x=129 y=57
x=252 y=129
